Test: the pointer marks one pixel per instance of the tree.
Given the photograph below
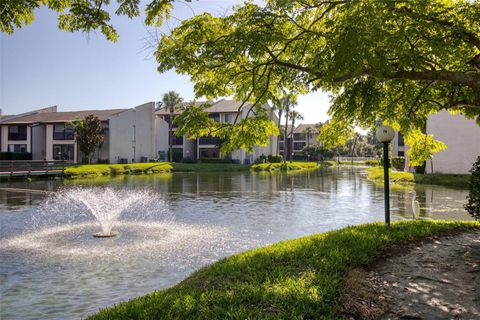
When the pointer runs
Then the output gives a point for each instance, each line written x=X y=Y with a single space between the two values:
x=473 y=199
x=395 y=60
x=294 y=116
x=288 y=102
x=279 y=107
x=85 y=15
x=171 y=100
x=88 y=135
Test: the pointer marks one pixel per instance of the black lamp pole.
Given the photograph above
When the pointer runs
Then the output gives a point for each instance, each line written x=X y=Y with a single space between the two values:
x=386 y=183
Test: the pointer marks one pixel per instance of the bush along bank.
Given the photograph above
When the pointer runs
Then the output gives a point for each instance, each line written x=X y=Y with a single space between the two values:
x=376 y=174
x=96 y=170
x=294 y=279
x=288 y=166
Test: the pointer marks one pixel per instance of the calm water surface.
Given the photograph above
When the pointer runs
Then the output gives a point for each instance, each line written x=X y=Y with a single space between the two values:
x=52 y=268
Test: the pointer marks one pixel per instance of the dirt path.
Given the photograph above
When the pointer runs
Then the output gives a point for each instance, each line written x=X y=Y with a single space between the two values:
x=437 y=279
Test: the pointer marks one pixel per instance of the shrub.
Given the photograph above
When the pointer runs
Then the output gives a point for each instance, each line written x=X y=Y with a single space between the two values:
x=215 y=160
x=398 y=163
x=189 y=160
x=275 y=158
x=473 y=198
x=261 y=159
x=372 y=162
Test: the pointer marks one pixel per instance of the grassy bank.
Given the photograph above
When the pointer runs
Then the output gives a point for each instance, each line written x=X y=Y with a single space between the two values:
x=291 y=166
x=376 y=174
x=294 y=279
x=448 y=180
x=361 y=163
x=96 y=170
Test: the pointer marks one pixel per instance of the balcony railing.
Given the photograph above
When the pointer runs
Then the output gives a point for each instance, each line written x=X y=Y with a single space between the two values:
x=177 y=141
x=17 y=136
x=63 y=136
x=209 y=141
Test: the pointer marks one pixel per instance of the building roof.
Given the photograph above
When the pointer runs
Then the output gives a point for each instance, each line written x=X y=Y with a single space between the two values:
x=164 y=111
x=52 y=117
x=302 y=128
x=220 y=106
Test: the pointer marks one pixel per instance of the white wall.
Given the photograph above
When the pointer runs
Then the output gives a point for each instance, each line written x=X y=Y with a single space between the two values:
x=461 y=135
x=39 y=151
x=4 y=137
x=132 y=134
x=161 y=136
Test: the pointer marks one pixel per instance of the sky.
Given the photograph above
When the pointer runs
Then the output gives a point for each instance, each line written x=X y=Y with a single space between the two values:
x=41 y=66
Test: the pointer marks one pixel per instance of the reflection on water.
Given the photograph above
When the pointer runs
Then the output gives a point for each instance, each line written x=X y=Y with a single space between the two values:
x=58 y=271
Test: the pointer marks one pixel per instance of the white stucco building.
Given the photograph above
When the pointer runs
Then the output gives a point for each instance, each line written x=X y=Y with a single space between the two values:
x=462 y=137
x=209 y=147
x=130 y=135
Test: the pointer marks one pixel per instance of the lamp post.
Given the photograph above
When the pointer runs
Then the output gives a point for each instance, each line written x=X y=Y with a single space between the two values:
x=385 y=134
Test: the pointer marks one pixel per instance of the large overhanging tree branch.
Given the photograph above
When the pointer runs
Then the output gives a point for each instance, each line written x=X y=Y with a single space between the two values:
x=396 y=60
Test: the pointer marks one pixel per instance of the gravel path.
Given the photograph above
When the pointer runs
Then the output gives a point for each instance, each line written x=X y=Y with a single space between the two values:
x=437 y=279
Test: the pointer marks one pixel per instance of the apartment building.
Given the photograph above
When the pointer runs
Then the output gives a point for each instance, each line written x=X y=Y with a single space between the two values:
x=461 y=135
x=129 y=134
x=208 y=147
x=304 y=135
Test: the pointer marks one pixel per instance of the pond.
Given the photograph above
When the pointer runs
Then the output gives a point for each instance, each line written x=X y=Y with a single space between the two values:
x=169 y=226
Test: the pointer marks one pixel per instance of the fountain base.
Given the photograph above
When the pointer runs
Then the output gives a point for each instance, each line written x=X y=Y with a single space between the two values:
x=105 y=235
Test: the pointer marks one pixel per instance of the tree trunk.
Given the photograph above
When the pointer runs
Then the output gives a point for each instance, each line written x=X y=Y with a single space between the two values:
x=279 y=124
x=285 y=144
x=291 y=140
x=170 y=135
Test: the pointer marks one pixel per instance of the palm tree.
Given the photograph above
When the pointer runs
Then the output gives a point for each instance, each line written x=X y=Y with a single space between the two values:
x=171 y=100
x=279 y=107
x=288 y=102
x=294 y=115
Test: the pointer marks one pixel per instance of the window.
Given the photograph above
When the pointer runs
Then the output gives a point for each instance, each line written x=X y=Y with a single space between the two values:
x=299 y=136
x=63 y=152
x=176 y=141
x=298 y=145
x=214 y=116
x=230 y=117
x=401 y=142
x=401 y=153
x=281 y=145
x=133 y=133
x=17 y=133
x=213 y=153
x=17 y=148
x=61 y=132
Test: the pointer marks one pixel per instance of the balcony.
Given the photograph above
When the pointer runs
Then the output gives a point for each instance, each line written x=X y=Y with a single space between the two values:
x=17 y=133
x=66 y=135
x=209 y=141
x=177 y=141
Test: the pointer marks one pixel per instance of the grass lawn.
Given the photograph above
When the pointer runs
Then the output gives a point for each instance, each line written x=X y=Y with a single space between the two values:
x=294 y=279
x=291 y=166
x=376 y=174
x=448 y=180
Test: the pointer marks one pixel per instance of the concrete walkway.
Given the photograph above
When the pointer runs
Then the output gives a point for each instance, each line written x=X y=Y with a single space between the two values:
x=437 y=279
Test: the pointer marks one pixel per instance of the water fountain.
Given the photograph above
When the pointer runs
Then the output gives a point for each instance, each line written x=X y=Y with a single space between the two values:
x=105 y=204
